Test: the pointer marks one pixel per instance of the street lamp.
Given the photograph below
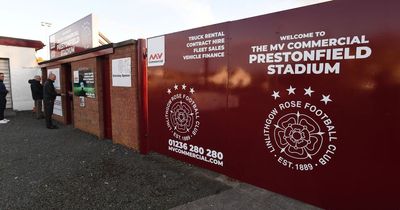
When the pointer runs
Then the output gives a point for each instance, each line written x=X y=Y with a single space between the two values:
x=45 y=51
x=45 y=24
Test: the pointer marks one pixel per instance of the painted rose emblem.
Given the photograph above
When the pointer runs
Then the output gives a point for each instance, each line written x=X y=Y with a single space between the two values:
x=298 y=135
x=182 y=117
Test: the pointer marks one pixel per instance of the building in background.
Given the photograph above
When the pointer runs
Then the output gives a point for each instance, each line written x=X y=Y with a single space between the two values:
x=18 y=63
x=98 y=82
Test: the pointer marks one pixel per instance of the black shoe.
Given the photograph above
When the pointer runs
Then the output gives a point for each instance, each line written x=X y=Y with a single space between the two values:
x=52 y=127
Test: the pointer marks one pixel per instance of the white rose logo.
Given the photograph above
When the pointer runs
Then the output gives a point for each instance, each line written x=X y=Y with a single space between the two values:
x=181 y=113
x=299 y=134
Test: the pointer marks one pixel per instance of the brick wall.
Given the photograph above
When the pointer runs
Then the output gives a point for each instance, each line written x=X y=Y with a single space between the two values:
x=123 y=100
x=90 y=117
x=124 y=103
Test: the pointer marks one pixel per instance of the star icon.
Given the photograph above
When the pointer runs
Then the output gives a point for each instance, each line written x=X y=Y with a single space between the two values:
x=176 y=87
x=169 y=91
x=275 y=95
x=191 y=90
x=326 y=99
x=308 y=91
x=184 y=87
x=291 y=90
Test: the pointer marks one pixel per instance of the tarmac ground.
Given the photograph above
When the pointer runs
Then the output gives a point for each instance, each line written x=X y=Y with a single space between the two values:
x=68 y=169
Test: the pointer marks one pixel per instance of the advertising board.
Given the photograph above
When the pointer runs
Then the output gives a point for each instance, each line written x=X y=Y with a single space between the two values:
x=84 y=83
x=302 y=102
x=76 y=37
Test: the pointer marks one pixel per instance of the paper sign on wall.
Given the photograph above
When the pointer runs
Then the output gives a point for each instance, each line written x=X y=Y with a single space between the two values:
x=58 y=106
x=121 y=72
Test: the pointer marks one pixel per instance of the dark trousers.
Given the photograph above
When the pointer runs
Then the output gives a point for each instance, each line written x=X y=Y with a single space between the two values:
x=38 y=109
x=48 y=112
x=3 y=103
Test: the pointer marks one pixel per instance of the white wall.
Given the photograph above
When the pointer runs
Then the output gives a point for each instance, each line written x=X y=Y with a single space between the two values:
x=23 y=66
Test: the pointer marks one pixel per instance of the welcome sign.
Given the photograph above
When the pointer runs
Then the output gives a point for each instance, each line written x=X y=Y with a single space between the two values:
x=302 y=102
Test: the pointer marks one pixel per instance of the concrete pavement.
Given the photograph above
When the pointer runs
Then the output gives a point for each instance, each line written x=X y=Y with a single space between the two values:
x=243 y=196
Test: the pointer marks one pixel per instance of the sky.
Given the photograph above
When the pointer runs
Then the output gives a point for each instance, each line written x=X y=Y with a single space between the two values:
x=121 y=20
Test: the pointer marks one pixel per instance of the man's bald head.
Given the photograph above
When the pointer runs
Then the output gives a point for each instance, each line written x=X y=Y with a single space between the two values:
x=38 y=78
x=52 y=76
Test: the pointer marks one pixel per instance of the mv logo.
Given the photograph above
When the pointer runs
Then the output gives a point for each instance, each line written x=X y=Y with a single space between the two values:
x=156 y=51
x=156 y=57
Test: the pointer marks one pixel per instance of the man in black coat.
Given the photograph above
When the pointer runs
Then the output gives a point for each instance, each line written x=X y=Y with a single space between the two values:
x=37 y=95
x=3 y=100
x=49 y=96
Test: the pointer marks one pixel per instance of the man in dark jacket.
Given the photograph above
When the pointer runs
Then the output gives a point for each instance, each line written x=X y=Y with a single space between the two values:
x=49 y=96
x=37 y=95
x=3 y=100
